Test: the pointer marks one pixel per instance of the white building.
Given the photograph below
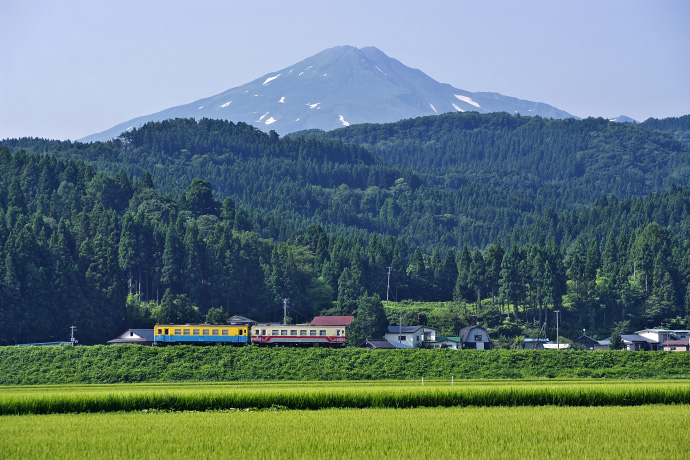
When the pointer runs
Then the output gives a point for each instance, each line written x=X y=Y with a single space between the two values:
x=412 y=336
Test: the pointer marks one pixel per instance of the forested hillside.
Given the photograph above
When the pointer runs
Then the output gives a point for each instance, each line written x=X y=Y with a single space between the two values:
x=678 y=127
x=455 y=179
x=185 y=220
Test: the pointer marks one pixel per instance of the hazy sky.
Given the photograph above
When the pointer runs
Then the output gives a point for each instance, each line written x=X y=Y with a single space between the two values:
x=69 y=68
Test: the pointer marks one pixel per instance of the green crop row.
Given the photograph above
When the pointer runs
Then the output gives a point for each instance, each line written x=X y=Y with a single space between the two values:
x=113 y=398
x=132 y=363
x=477 y=432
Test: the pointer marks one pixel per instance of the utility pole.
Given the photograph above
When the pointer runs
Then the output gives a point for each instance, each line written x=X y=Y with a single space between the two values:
x=558 y=338
x=72 y=339
x=388 y=287
x=285 y=301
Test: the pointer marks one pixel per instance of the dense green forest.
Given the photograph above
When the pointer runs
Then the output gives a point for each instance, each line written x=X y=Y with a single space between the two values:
x=443 y=181
x=184 y=220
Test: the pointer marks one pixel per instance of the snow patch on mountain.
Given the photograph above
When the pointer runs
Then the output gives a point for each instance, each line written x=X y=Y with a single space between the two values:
x=466 y=99
x=282 y=100
x=342 y=120
x=270 y=120
x=224 y=105
x=457 y=108
x=270 y=79
x=262 y=116
x=313 y=106
x=377 y=67
x=433 y=108
x=201 y=107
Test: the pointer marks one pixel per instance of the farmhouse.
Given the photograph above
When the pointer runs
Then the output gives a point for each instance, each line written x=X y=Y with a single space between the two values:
x=529 y=343
x=412 y=336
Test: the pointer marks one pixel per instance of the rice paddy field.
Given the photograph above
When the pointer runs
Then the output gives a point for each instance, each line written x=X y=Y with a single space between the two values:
x=360 y=419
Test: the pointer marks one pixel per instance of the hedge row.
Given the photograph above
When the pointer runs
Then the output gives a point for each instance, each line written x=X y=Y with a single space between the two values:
x=133 y=363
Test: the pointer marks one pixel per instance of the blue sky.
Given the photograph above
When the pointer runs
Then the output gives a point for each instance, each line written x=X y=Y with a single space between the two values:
x=69 y=68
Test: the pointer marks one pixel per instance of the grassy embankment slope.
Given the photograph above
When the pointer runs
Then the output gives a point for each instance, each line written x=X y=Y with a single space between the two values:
x=125 y=364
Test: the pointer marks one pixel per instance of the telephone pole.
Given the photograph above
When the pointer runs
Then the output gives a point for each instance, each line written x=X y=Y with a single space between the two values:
x=558 y=338
x=72 y=339
x=285 y=301
x=388 y=287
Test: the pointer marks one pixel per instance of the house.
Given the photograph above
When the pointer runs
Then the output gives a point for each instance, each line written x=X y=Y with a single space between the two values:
x=592 y=344
x=332 y=321
x=657 y=339
x=635 y=342
x=529 y=343
x=137 y=336
x=412 y=336
x=383 y=344
x=556 y=346
x=475 y=337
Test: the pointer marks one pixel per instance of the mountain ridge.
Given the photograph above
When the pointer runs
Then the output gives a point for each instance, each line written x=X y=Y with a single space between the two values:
x=338 y=87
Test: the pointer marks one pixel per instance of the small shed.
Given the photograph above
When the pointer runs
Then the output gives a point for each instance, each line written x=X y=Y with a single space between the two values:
x=136 y=336
x=475 y=337
x=675 y=345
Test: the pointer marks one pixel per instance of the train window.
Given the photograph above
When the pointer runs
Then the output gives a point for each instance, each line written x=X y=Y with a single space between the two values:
x=160 y=331
x=206 y=332
x=274 y=332
x=225 y=332
x=186 y=332
x=215 y=332
x=263 y=331
x=322 y=332
x=293 y=332
x=241 y=332
x=178 y=331
x=283 y=332
x=312 y=332
x=166 y=332
x=337 y=332
x=302 y=332
x=195 y=331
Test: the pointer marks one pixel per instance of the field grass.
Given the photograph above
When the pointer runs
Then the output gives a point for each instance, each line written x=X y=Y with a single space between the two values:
x=476 y=432
x=321 y=395
x=134 y=363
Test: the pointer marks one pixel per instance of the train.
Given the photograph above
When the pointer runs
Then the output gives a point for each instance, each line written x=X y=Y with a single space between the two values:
x=319 y=333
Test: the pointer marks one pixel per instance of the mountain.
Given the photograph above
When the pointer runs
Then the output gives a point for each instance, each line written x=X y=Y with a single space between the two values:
x=623 y=119
x=335 y=88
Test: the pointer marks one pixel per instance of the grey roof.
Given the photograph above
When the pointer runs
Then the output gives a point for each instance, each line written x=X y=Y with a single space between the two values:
x=465 y=332
x=145 y=334
x=379 y=343
x=636 y=338
x=397 y=329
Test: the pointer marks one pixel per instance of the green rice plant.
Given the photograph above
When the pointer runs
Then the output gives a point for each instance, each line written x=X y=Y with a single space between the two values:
x=471 y=432
x=321 y=395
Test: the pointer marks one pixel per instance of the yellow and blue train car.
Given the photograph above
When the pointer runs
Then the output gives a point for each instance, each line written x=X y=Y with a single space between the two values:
x=200 y=334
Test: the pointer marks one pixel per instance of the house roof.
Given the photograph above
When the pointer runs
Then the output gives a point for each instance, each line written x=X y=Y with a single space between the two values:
x=676 y=342
x=239 y=319
x=379 y=343
x=636 y=338
x=134 y=336
x=407 y=329
x=448 y=339
x=332 y=320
